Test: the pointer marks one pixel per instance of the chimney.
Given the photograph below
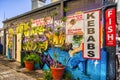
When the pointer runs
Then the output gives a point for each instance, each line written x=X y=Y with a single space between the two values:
x=37 y=3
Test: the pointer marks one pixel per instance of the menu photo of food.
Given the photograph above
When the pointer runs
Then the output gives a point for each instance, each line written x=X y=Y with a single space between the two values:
x=74 y=30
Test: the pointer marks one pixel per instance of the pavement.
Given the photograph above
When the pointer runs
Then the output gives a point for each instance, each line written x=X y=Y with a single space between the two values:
x=18 y=71
x=7 y=73
x=12 y=64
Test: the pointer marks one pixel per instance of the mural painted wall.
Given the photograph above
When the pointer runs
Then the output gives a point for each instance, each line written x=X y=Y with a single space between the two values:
x=51 y=42
x=63 y=41
x=49 y=38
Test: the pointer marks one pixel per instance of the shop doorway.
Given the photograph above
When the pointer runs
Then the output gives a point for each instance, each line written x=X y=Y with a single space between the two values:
x=14 y=47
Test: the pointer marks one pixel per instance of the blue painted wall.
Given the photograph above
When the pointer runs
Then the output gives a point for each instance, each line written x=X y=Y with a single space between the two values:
x=80 y=68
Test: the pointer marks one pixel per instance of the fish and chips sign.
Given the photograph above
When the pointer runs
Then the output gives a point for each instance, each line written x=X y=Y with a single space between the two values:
x=92 y=35
x=110 y=26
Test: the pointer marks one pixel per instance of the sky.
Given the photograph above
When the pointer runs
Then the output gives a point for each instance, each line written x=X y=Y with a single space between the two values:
x=11 y=8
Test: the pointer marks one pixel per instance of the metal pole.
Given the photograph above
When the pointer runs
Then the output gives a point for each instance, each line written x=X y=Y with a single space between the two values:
x=62 y=6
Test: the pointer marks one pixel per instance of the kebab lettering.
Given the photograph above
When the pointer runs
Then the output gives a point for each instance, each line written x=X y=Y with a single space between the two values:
x=91 y=31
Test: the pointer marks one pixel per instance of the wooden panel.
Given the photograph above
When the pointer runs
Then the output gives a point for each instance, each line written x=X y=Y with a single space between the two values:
x=18 y=48
x=6 y=44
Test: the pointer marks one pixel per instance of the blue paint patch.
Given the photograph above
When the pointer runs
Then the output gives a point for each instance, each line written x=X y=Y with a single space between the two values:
x=37 y=66
x=97 y=68
x=45 y=67
x=77 y=61
x=9 y=54
x=103 y=65
x=79 y=67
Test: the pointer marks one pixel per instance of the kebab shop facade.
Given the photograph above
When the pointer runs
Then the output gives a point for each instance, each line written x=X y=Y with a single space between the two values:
x=84 y=43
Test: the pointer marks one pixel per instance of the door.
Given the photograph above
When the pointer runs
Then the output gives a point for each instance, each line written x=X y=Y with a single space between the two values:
x=18 y=48
x=14 y=47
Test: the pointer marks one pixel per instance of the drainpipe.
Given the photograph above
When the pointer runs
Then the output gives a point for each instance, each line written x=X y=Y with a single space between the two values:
x=62 y=6
x=4 y=44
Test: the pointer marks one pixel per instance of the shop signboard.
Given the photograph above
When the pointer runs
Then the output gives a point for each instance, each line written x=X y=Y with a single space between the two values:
x=74 y=29
x=92 y=35
x=42 y=21
x=110 y=27
x=74 y=23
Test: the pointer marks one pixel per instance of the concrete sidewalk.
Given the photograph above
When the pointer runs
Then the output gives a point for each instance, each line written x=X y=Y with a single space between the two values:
x=36 y=74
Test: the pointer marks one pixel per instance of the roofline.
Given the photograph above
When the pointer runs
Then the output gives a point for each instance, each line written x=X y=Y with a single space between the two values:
x=34 y=10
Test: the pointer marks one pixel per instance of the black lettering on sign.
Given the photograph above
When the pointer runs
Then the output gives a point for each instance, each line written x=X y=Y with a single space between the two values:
x=91 y=53
x=90 y=15
x=91 y=23
x=91 y=31
x=91 y=38
x=91 y=46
